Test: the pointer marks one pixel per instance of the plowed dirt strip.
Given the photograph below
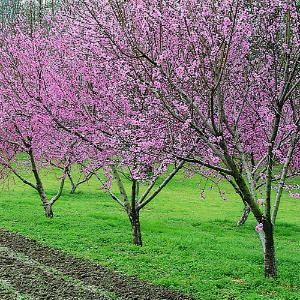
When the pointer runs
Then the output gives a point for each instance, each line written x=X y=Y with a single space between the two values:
x=6 y=291
x=5 y=295
x=51 y=272
x=9 y=292
x=125 y=287
x=38 y=283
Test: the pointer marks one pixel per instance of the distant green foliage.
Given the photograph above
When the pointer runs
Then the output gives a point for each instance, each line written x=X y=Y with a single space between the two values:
x=9 y=9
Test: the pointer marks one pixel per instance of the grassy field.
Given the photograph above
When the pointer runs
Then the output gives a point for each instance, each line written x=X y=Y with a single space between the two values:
x=190 y=244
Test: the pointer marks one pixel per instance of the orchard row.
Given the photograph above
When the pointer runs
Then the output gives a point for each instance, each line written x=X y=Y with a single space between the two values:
x=152 y=88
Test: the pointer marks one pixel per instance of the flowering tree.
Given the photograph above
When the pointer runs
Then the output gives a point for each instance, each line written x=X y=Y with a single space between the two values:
x=144 y=84
x=28 y=140
x=222 y=75
x=121 y=138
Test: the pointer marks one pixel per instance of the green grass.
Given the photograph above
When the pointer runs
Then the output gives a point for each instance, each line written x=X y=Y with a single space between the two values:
x=190 y=244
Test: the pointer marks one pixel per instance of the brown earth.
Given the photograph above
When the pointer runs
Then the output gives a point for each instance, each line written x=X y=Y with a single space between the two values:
x=29 y=270
x=5 y=294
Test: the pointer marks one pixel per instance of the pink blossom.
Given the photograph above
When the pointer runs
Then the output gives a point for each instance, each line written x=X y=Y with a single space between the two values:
x=259 y=227
x=179 y=72
x=260 y=201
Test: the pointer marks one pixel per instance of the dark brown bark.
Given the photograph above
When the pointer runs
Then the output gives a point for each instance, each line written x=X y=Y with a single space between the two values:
x=72 y=191
x=75 y=185
x=136 y=228
x=245 y=215
x=39 y=186
x=269 y=255
x=48 y=211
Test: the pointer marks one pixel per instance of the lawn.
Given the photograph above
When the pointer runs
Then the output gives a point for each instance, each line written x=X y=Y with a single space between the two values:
x=190 y=244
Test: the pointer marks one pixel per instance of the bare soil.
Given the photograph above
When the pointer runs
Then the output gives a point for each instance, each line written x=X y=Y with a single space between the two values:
x=29 y=270
x=5 y=294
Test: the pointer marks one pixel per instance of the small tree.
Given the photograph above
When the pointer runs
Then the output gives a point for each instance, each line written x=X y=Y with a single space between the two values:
x=14 y=146
x=28 y=141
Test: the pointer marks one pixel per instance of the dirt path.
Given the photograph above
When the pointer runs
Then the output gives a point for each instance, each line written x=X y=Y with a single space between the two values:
x=29 y=270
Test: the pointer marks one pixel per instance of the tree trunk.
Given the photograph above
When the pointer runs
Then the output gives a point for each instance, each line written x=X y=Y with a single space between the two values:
x=39 y=187
x=73 y=189
x=136 y=228
x=245 y=215
x=269 y=253
x=48 y=211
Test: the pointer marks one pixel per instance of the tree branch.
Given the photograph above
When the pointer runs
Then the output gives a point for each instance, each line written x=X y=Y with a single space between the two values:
x=161 y=186
x=21 y=178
